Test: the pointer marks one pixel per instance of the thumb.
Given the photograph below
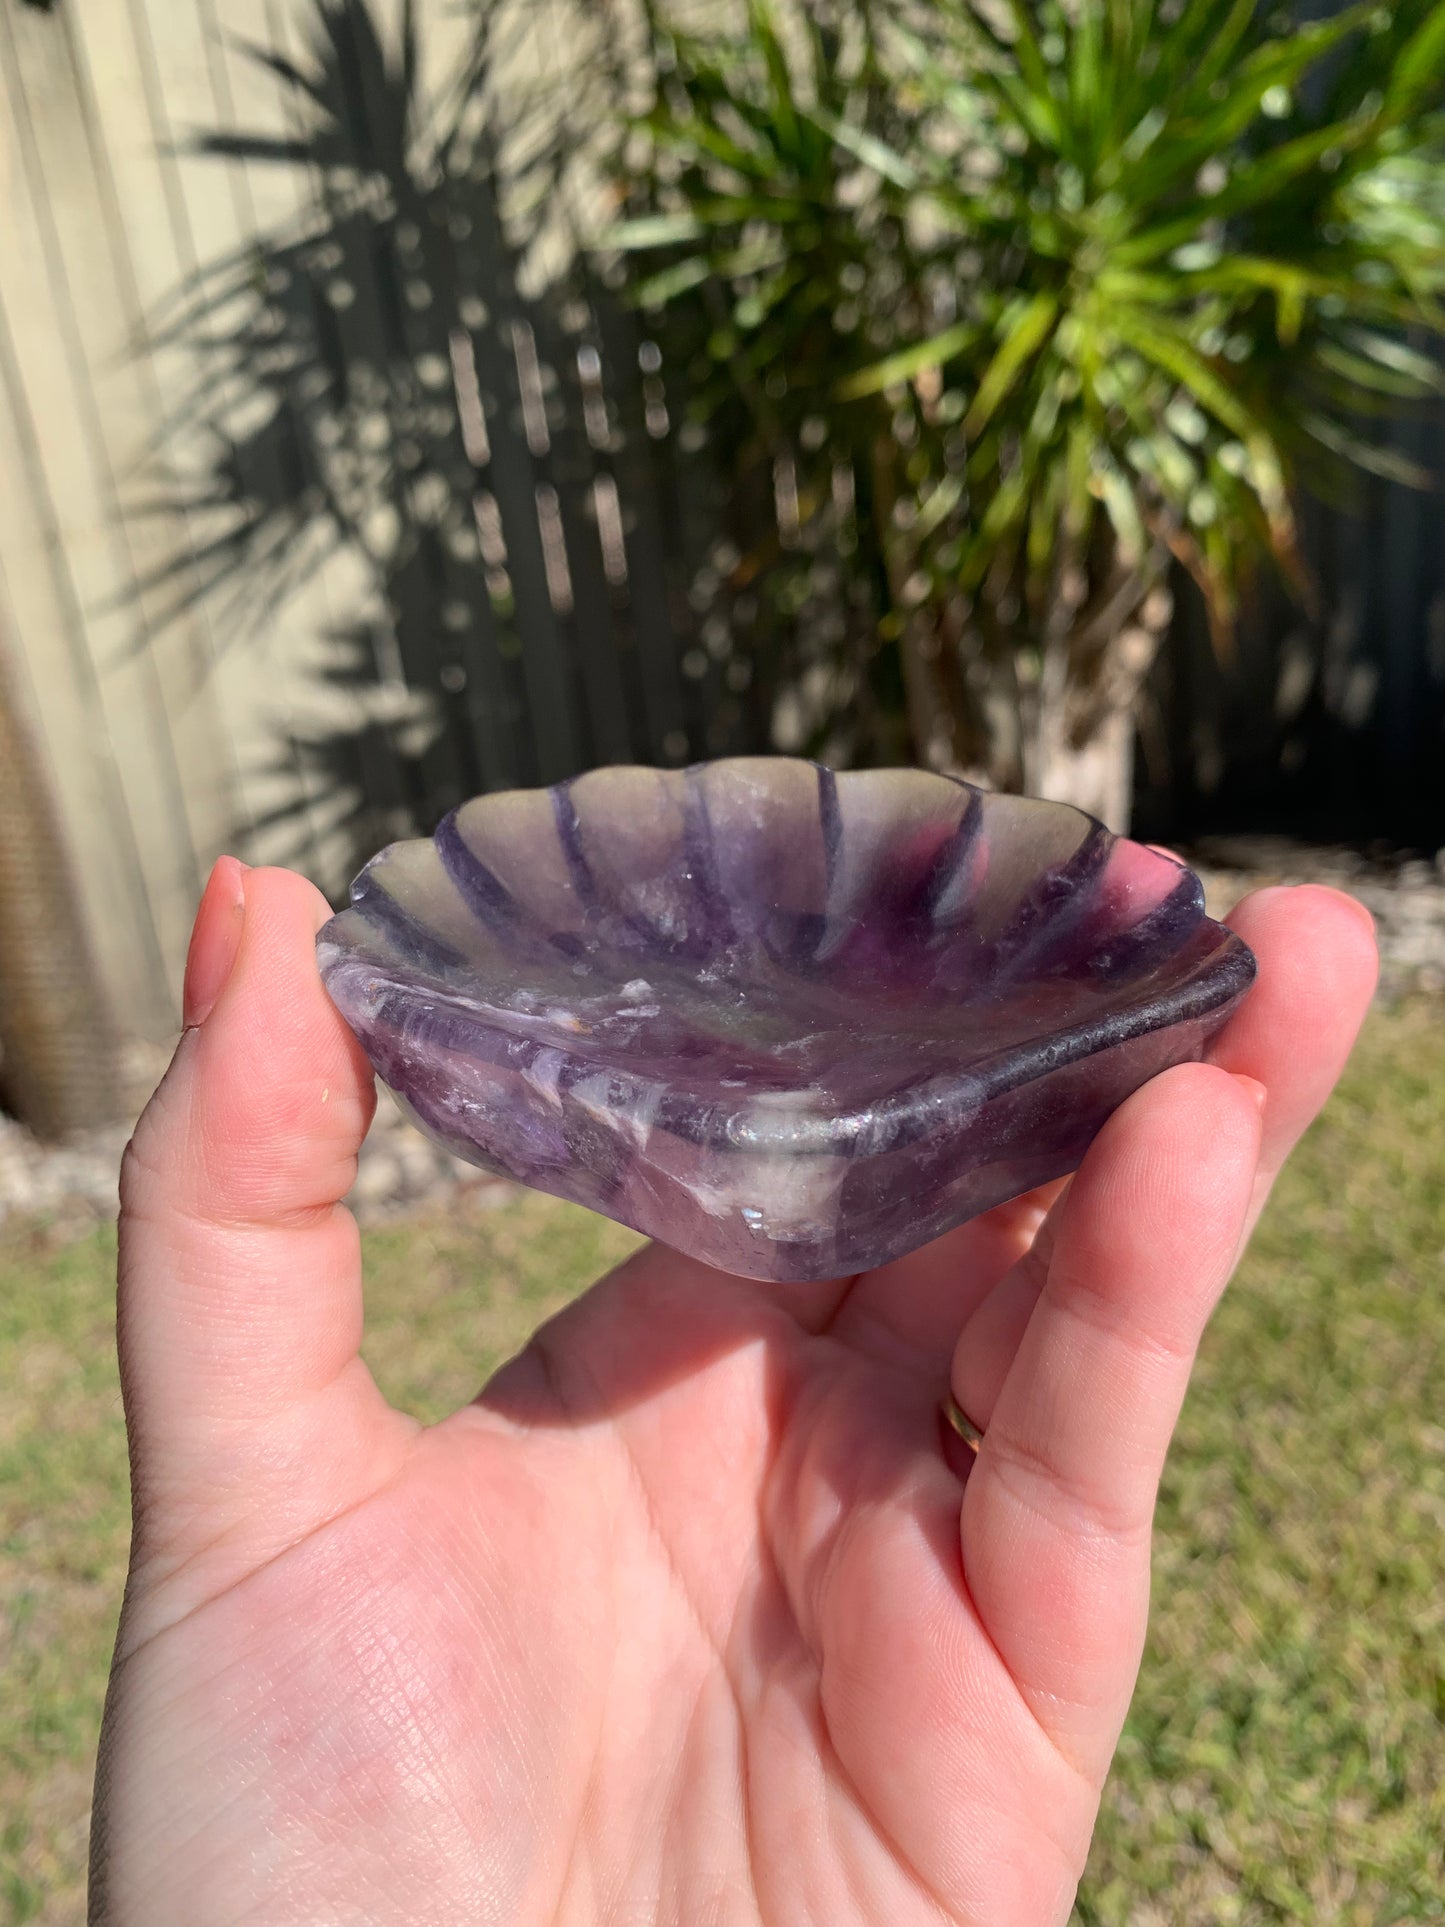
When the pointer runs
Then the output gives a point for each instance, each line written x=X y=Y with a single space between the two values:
x=250 y=1415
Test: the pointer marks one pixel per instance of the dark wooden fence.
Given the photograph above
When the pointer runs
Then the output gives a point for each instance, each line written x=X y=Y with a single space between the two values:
x=1329 y=722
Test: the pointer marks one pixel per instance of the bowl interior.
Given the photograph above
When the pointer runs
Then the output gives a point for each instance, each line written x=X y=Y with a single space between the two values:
x=761 y=923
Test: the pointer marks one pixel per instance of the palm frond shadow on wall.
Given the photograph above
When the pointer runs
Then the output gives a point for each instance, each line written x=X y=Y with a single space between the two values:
x=416 y=386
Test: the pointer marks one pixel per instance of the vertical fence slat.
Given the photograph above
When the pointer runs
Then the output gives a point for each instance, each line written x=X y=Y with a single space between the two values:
x=634 y=470
x=46 y=624
x=68 y=321
x=512 y=477
x=573 y=468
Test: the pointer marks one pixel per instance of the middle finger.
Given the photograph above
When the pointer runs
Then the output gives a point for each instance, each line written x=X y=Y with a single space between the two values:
x=913 y=1309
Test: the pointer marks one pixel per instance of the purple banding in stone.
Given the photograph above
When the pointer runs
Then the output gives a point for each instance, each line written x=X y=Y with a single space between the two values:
x=792 y=1023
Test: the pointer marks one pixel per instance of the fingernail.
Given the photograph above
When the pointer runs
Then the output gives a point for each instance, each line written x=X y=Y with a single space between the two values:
x=1253 y=1089
x=1363 y=916
x=215 y=940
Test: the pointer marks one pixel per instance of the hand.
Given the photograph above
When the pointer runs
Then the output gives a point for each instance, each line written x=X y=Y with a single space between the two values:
x=691 y=1617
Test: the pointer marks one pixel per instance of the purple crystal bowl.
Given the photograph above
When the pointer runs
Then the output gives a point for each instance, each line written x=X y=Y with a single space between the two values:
x=792 y=1023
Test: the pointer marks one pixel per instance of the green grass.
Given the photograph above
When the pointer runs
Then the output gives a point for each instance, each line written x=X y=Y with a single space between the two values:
x=1285 y=1758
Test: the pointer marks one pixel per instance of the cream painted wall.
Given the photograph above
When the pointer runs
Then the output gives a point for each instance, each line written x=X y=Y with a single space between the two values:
x=164 y=735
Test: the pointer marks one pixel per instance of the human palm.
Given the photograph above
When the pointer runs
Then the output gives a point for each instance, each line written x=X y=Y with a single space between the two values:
x=696 y=1615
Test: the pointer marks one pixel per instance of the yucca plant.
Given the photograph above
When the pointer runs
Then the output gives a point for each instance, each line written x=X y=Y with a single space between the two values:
x=767 y=255
x=1032 y=301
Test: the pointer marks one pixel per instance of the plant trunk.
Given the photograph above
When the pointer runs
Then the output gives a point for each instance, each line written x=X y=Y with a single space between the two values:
x=1078 y=726
x=1097 y=776
x=59 y=1069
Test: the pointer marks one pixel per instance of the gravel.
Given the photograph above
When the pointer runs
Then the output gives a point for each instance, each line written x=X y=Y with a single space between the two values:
x=72 y=1185
x=1406 y=897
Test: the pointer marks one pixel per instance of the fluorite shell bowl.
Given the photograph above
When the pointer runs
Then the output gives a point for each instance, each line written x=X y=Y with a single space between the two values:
x=792 y=1023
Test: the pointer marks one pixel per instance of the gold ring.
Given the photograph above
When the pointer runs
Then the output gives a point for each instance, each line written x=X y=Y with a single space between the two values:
x=962 y=1424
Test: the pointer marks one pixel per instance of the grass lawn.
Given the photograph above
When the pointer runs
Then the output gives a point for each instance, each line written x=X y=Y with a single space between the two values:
x=1285 y=1758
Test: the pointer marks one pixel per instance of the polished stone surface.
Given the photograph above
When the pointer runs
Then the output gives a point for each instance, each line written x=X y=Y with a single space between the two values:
x=792 y=1023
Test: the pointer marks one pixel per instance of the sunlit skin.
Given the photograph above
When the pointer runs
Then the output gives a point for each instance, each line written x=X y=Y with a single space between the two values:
x=693 y=1616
